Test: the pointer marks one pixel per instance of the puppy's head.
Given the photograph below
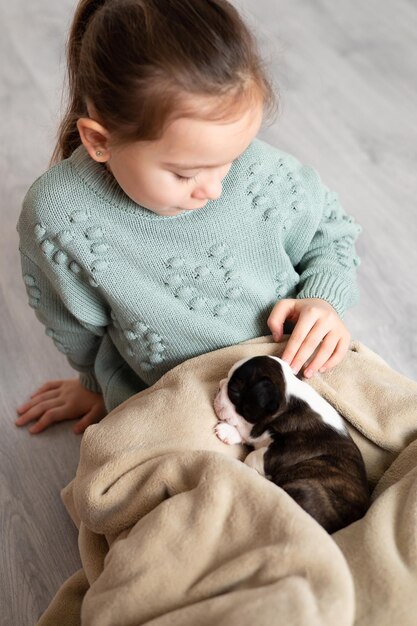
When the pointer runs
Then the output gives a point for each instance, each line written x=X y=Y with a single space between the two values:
x=254 y=390
x=257 y=389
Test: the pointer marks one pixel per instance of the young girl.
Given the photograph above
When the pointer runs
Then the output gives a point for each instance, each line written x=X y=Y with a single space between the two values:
x=165 y=229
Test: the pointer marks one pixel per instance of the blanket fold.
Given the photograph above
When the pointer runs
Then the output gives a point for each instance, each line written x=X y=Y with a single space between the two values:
x=207 y=551
x=175 y=529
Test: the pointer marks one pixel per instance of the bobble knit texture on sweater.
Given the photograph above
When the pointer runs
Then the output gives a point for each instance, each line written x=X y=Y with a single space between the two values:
x=128 y=294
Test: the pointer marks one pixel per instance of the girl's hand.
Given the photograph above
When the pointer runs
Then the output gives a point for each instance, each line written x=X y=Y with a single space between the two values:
x=316 y=324
x=60 y=400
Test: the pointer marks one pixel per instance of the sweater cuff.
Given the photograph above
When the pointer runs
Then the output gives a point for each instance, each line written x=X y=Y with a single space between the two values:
x=339 y=291
x=88 y=380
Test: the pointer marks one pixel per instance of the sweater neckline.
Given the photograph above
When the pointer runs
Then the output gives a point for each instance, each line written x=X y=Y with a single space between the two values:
x=102 y=183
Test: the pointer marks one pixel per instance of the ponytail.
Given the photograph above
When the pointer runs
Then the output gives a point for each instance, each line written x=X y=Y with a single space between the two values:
x=68 y=136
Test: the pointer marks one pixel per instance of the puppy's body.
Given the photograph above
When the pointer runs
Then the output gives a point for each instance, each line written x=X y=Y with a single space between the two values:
x=301 y=443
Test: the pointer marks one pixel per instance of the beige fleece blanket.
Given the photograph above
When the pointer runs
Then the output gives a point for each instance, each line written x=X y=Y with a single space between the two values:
x=175 y=530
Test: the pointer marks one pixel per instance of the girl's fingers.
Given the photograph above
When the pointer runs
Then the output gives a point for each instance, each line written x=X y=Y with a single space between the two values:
x=36 y=412
x=281 y=311
x=51 y=384
x=308 y=345
x=92 y=417
x=337 y=356
x=48 y=395
x=324 y=353
x=49 y=417
x=301 y=330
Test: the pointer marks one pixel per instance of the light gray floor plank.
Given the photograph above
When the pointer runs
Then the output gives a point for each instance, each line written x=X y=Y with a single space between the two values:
x=348 y=81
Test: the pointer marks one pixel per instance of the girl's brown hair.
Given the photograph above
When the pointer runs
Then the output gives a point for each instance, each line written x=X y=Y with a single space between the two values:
x=137 y=62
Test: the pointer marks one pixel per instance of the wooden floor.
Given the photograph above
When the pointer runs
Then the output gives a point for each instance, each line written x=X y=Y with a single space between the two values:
x=347 y=73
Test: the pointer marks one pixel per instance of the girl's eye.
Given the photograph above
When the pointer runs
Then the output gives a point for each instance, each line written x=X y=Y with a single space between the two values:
x=185 y=179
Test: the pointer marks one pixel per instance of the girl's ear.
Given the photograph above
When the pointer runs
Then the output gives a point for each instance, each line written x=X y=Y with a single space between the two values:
x=95 y=139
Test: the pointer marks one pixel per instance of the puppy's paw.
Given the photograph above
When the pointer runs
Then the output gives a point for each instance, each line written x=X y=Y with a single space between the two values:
x=227 y=433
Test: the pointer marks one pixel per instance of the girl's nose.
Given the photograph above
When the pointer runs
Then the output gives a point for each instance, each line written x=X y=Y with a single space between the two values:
x=211 y=189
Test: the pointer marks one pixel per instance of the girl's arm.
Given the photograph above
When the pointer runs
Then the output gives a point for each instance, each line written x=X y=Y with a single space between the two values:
x=327 y=267
x=79 y=340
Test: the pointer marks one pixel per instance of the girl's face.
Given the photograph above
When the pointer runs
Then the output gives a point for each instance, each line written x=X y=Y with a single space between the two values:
x=184 y=169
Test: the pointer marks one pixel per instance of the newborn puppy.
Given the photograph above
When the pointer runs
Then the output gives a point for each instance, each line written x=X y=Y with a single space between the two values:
x=301 y=442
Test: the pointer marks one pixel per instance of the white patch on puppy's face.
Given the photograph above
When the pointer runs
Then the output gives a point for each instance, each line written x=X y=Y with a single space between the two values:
x=226 y=411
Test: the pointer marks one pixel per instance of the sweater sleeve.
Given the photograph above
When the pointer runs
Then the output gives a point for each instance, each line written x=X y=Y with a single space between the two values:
x=76 y=338
x=327 y=266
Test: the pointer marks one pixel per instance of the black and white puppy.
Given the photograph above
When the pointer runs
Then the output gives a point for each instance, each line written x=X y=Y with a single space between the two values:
x=301 y=442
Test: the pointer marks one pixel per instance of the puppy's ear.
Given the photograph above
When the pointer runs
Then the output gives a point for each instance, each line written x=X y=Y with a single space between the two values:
x=265 y=395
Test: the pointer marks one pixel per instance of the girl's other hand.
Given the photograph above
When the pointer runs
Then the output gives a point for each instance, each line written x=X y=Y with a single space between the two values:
x=317 y=325
x=60 y=400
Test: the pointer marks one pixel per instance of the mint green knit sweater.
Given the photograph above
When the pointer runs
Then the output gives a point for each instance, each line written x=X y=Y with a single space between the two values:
x=127 y=294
